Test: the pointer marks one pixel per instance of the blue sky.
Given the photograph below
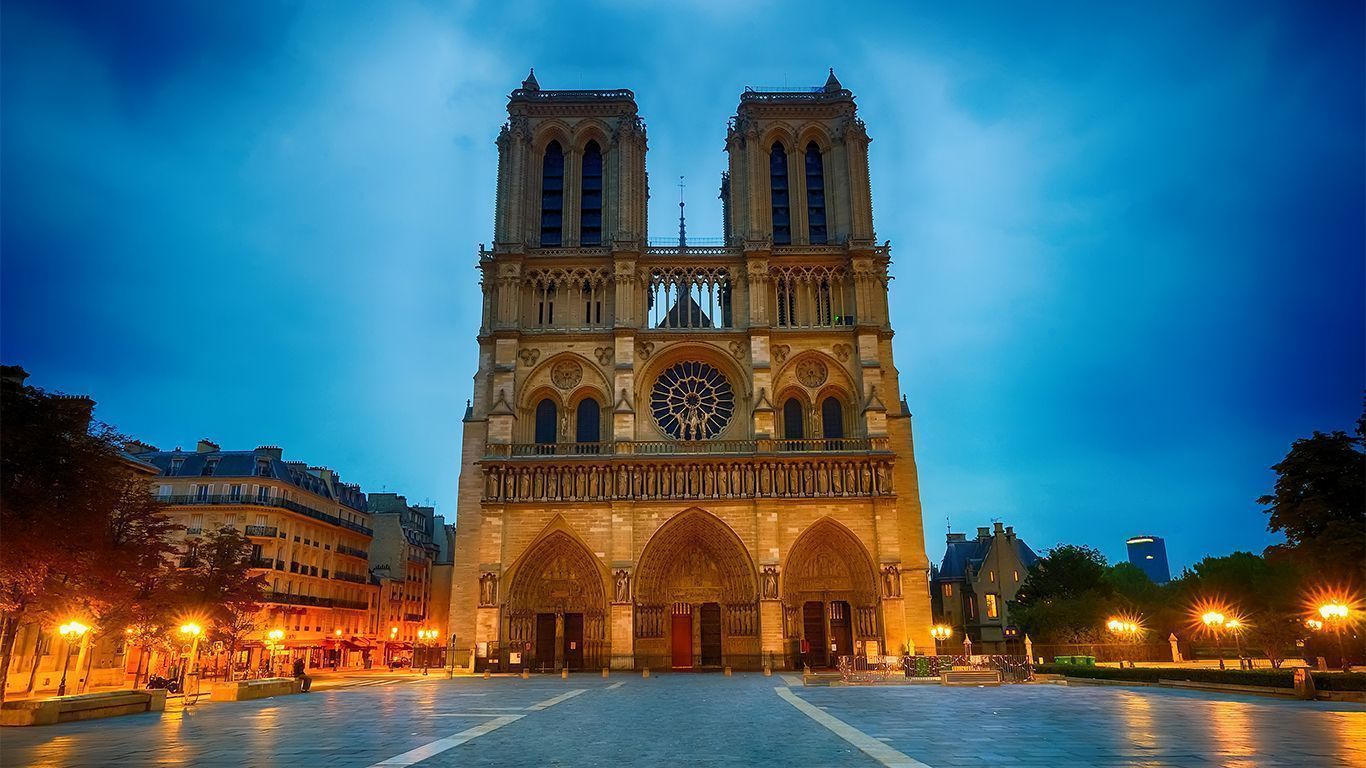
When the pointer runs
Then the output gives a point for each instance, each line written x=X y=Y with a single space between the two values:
x=1128 y=242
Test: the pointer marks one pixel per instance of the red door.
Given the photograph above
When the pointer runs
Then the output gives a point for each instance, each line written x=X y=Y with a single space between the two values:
x=682 y=640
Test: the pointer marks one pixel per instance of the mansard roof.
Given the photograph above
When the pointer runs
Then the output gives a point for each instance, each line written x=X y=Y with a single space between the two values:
x=317 y=481
x=962 y=556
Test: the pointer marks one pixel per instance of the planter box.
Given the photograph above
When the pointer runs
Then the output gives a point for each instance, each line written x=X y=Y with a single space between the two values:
x=264 y=688
x=86 y=706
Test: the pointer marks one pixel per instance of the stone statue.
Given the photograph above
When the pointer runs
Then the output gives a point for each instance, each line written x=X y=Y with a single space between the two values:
x=770 y=591
x=488 y=589
x=891 y=581
x=622 y=592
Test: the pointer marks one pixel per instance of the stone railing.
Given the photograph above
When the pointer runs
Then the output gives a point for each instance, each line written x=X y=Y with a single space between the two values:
x=265 y=531
x=688 y=447
x=705 y=477
x=273 y=501
x=342 y=549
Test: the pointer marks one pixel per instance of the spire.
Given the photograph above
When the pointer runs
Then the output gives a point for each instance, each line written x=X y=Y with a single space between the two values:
x=682 y=224
x=832 y=83
x=530 y=84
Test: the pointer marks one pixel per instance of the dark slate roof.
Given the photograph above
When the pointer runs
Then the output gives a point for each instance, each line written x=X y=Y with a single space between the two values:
x=958 y=555
x=243 y=464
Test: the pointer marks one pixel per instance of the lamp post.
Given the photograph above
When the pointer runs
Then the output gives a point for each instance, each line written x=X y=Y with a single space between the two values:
x=1126 y=631
x=425 y=639
x=941 y=633
x=192 y=631
x=273 y=639
x=1335 y=616
x=1214 y=622
x=72 y=630
x=1235 y=627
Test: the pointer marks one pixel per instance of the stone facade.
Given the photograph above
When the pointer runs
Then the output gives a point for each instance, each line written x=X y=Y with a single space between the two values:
x=683 y=456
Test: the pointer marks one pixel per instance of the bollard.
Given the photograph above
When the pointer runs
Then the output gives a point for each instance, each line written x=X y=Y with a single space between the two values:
x=604 y=673
x=645 y=672
x=727 y=673
x=487 y=675
x=526 y=675
x=768 y=671
x=564 y=673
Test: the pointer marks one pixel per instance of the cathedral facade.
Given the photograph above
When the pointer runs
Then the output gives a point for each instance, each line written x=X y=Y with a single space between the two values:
x=685 y=456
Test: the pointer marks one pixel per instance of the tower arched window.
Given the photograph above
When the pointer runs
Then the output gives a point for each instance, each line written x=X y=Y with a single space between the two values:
x=832 y=423
x=590 y=201
x=588 y=425
x=552 y=195
x=547 y=418
x=815 y=195
x=793 y=420
x=782 y=216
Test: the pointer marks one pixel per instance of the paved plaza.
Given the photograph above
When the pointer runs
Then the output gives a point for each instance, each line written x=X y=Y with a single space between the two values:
x=709 y=720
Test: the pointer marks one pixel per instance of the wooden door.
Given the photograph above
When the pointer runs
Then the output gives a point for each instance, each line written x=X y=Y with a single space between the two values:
x=573 y=641
x=682 y=640
x=841 y=630
x=545 y=642
x=711 y=634
x=813 y=631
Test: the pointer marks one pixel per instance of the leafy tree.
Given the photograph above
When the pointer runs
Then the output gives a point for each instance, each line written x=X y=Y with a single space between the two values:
x=74 y=527
x=1065 y=597
x=1319 y=504
x=216 y=582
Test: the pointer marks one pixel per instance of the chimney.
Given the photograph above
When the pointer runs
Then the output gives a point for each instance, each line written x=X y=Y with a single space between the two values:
x=273 y=451
x=206 y=446
x=135 y=447
x=1010 y=531
x=958 y=537
x=983 y=532
x=997 y=528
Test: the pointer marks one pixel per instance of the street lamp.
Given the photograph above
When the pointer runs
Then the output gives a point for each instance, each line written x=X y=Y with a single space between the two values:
x=1335 y=616
x=940 y=633
x=71 y=631
x=1127 y=632
x=425 y=639
x=273 y=639
x=1235 y=626
x=192 y=631
x=1214 y=622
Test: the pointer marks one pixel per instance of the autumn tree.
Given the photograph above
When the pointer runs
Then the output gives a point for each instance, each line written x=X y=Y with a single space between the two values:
x=215 y=581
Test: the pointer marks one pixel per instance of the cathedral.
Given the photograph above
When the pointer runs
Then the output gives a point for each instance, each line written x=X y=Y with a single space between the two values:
x=685 y=456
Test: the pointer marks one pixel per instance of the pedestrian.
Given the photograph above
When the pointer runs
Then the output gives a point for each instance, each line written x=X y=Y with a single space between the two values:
x=806 y=652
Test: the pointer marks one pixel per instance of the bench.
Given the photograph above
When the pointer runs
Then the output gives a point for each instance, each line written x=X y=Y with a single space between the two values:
x=971 y=677
x=85 y=706
x=264 y=688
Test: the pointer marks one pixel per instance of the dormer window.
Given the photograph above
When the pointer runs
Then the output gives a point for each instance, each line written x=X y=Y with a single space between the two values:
x=209 y=467
x=176 y=464
x=263 y=468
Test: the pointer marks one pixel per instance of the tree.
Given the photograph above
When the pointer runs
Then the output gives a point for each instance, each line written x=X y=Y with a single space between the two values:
x=1318 y=504
x=63 y=481
x=1065 y=598
x=216 y=583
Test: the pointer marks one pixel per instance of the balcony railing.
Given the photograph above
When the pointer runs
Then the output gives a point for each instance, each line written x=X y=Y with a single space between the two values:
x=689 y=447
x=319 y=602
x=262 y=562
x=413 y=617
x=351 y=577
x=342 y=549
x=263 y=531
x=273 y=502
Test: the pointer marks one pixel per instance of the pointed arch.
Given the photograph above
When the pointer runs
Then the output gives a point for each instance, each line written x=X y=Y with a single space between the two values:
x=815 y=195
x=828 y=562
x=695 y=557
x=590 y=197
x=557 y=574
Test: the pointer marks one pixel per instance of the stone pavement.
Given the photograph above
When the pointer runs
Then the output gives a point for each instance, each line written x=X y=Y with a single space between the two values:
x=709 y=720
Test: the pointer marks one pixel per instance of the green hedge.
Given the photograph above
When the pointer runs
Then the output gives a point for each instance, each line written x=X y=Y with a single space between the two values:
x=1267 y=678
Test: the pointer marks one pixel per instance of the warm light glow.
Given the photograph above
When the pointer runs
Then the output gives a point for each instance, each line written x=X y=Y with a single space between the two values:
x=275 y=635
x=73 y=628
x=1332 y=611
x=941 y=632
x=1212 y=619
x=337 y=632
x=191 y=629
x=1313 y=624
x=393 y=631
x=1233 y=625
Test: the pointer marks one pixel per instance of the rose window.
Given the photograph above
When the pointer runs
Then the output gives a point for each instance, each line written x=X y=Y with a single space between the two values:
x=692 y=401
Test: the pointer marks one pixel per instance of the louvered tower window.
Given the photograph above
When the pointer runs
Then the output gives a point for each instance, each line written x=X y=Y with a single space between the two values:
x=777 y=169
x=590 y=206
x=815 y=194
x=552 y=195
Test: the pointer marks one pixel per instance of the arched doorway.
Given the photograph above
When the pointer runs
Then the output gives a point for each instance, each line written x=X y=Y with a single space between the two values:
x=555 y=608
x=696 y=597
x=830 y=589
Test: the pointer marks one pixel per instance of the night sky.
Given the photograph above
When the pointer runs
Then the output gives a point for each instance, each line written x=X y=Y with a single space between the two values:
x=1128 y=243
